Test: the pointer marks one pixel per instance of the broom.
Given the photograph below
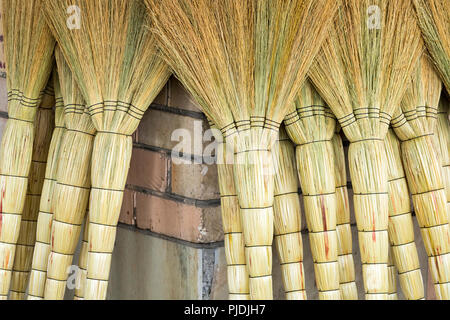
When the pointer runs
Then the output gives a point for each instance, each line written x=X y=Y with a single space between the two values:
x=401 y=228
x=82 y=262
x=119 y=73
x=42 y=246
x=311 y=125
x=243 y=62
x=442 y=134
x=414 y=125
x=362 y=73
x=73 y=182
x=28 y=56
x=44 y=124
x=434 y=21
x=237 y=274
x=347 y=284
x=287 y=218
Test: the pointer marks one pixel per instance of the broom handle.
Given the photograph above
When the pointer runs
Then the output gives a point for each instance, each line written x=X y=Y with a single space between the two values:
x=82 y=263
x=110 y=164
x=71 y=200
x=347 y=282
x=442 y=136
x=17 y=142
x=287 y=221
x=27 y=234
x=44 y=224
x=404 y=250
x=429 y=201
x=319 y=195
x=392 y=270
x=401 y=229
x=253 y=174
x=24 y=255
x=237 y=273
x=368 y=171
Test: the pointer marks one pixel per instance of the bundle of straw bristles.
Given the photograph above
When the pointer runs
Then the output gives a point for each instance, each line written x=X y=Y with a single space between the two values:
x=285 y=85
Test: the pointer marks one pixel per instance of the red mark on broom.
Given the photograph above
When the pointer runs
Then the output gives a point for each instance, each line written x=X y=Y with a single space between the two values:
x=374 y=234
x=301 y=273
x=7 y=260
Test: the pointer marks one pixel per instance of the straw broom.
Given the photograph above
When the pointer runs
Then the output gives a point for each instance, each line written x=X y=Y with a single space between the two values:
x=82 y=262
x=237 y=274
x=442 y=134
x=311 y=126
x=44 y=124
x=401 y=228
x=244 y=61
x=287 y=218
x=414 y=125
x=347 y=284
x=116 y=65
x=42 y=246
x=73 y=182
x=362 y=73
x=434 y=21
x=28 y=55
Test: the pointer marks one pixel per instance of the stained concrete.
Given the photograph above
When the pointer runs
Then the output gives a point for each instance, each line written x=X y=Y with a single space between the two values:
x=146 y=267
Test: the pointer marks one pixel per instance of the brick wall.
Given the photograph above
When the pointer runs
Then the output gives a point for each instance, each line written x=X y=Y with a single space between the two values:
x=179 y=200
x=2 y=59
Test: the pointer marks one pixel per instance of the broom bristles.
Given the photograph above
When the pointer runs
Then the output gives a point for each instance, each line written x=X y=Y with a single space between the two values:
x=442 y=133
x=361 y=72
x=82 y=262
x=346 y=263
x=244 y=62
x=392 y=277
x=43 y=233
x=73 y=182
x=287 y=218
x=401 y=229
x=237 y=274
x=311 y=126
x=28 y=55
x=434 y=21
x=116 y=65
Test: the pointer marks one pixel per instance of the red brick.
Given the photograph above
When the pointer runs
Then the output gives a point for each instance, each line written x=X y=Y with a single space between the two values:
x=178 y=97
x=178 y=220
x=127 y=212
x=148 y=169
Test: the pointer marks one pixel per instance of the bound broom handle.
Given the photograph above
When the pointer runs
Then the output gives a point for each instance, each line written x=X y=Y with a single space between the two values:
x=110 y=164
